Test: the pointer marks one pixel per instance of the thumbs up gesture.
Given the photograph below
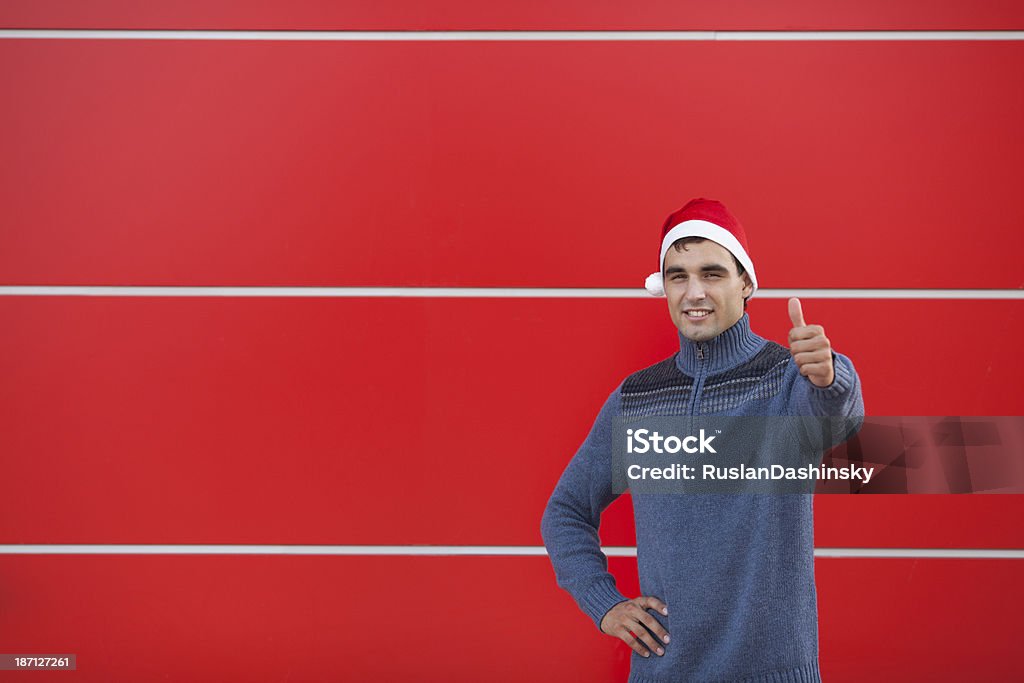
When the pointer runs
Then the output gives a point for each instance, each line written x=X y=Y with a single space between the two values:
x=810 y=348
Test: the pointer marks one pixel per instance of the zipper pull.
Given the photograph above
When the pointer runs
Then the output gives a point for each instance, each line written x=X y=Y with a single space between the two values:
x=700 y=351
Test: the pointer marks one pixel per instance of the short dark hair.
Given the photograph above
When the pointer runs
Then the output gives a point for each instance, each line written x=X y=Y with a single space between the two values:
x=680 y=245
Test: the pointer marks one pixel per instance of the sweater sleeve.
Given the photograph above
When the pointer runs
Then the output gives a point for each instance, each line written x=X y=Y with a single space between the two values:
x=842 y=399
x=572 y=517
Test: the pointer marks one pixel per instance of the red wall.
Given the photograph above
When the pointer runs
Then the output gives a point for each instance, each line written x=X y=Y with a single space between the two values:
x=226 y=420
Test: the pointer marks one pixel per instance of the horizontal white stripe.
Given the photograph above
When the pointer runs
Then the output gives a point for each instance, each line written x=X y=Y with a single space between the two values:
x=118 y=549
x=461 y=550
x=490 y=292
x=934 y=553
x=112 y=34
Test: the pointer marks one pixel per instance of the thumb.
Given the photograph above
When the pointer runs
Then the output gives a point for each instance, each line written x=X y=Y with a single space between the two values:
x=796 y=313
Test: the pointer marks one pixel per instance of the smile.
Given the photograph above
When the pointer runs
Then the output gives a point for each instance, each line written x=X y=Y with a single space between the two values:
x=697 y=314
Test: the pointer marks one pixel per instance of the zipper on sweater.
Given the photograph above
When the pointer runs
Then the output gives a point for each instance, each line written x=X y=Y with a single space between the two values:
x=698 y=384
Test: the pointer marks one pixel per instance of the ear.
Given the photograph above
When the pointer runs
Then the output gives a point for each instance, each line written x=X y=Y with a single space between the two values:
x=748 y=286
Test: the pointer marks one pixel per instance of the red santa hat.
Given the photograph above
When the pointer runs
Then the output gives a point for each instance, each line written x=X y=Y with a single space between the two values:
x=705 y=218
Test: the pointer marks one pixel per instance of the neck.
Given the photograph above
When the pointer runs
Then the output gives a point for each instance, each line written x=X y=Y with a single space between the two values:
x=730 y=348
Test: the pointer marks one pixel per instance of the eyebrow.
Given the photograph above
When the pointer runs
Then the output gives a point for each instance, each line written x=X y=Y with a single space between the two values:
x=706 y=268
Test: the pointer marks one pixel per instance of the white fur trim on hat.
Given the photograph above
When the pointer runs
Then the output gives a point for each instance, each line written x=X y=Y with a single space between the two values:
x=699 y=228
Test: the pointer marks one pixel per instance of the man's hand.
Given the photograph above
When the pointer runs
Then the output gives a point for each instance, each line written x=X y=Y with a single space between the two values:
x=810 y=348
x=629 y=616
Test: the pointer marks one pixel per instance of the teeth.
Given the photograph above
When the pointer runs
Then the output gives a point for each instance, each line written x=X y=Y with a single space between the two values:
x=698 y=314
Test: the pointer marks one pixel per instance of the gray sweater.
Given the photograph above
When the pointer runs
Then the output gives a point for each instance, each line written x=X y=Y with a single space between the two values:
x=736 y=570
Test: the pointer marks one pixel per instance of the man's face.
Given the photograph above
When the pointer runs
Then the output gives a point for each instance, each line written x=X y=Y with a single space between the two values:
x=705 y=291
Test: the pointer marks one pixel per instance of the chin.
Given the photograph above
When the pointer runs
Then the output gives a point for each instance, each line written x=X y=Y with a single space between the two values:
x=696 y=336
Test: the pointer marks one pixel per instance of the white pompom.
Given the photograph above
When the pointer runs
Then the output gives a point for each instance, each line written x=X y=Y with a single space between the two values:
x=654 y=285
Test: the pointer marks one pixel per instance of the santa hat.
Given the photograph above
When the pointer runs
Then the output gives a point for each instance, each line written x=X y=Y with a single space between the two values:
x=705 y=218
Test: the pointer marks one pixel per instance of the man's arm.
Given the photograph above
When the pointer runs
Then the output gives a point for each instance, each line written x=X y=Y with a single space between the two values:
x=572 y=517
x=829 y=386
x=569 y=526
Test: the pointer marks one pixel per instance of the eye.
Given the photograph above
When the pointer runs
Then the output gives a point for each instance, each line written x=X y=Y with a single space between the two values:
x=715 y=275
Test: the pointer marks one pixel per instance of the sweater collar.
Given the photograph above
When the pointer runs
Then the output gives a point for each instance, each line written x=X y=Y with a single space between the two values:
x=732 y=347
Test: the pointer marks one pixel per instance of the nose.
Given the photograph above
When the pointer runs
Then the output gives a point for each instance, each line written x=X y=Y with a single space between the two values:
x=694 y=290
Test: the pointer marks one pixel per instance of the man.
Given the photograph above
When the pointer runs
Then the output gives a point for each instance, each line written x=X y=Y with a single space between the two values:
x=727 y=579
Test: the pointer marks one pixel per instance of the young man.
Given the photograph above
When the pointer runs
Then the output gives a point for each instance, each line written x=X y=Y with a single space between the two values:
x=727 y=579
